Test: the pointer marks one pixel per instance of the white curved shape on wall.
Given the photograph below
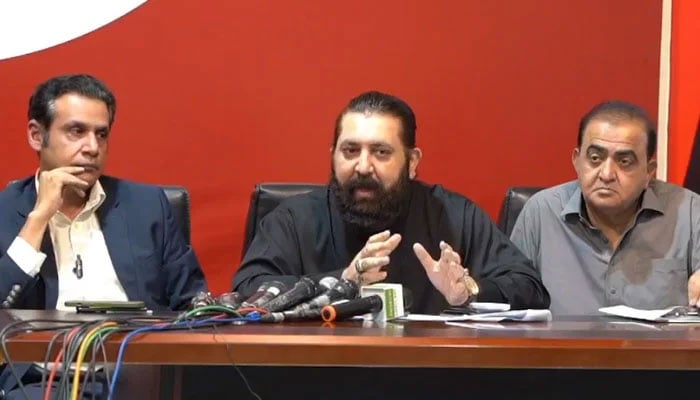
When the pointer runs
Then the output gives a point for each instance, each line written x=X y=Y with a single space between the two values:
x=27 y=26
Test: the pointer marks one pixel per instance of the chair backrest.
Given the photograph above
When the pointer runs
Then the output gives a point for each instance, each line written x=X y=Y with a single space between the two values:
x=265 y=197
x=179 y=198
x=512 y=205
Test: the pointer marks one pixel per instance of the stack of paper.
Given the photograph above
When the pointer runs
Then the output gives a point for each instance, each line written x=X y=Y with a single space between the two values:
x=500 y=316
x=666 y=315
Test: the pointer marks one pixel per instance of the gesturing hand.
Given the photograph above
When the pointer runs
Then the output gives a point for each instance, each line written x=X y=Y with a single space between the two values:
x=447 y=273
x=367 y=265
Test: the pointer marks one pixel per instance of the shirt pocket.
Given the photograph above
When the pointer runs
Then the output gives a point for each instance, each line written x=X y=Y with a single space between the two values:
x=667 y=285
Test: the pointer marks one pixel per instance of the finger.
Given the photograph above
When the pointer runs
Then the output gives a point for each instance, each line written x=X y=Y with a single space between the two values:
x=453 y=256
x=71 y=169
x=693 y=292
x=72 y=180
x=376 y=276
x=379 y=237
x=383 y=248
x=423 y=256
x=373 y=263
x=455 y=272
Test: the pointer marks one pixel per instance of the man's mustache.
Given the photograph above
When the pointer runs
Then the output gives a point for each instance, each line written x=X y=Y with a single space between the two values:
x=363 y=182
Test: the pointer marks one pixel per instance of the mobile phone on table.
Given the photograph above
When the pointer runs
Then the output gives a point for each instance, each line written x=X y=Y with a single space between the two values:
x=106 y=306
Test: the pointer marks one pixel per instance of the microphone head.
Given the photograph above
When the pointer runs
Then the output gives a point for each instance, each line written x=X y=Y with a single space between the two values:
x=231 y=300
x=202 y=299
x=304 y=289
x=266 y=291
x=346 y=289
x=327 y=283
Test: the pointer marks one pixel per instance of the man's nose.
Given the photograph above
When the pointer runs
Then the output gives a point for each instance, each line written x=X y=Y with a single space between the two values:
x=607 y=171
x=364 y=164
x=90 y=143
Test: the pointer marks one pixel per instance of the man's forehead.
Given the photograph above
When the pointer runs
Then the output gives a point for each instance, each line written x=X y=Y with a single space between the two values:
x=624 y=134
x=369 y=127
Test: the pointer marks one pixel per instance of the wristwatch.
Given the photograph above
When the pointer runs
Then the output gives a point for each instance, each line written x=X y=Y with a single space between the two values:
x=472 y=286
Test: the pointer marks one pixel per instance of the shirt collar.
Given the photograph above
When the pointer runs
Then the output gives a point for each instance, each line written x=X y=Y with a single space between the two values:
x=650 y=201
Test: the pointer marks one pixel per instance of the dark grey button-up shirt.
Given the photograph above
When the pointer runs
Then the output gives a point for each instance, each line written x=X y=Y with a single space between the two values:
x=649 y=269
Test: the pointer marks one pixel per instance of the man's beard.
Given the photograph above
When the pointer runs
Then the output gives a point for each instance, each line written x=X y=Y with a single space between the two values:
x=376 y=213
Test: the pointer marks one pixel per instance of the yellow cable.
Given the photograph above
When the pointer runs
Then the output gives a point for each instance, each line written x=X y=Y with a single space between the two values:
x=81 y=354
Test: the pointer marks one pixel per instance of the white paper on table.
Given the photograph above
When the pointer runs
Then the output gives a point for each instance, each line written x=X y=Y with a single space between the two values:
x=650 y=315
x=513 y=315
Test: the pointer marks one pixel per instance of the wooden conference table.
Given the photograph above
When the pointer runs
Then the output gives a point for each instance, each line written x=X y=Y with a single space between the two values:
x=574 y=357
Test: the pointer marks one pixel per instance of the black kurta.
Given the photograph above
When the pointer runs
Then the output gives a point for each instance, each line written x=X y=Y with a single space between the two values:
x=306 y=235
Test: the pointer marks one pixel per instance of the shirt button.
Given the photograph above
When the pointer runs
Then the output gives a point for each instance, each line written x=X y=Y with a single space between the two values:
x=613 y=291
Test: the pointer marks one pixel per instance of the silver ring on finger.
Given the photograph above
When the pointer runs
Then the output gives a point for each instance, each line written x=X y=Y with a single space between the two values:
x=359 y=266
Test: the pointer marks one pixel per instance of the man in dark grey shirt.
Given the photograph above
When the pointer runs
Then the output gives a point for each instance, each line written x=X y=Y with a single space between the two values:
x=616 y=235
x=375 y=222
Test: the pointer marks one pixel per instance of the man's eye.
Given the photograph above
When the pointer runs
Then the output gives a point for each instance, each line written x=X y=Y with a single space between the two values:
x=350 y=151
x=383 y=152
x=625 y=162
x=594 y=158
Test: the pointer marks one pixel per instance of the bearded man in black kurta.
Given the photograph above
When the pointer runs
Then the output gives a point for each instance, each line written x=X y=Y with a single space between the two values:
x=375 y=222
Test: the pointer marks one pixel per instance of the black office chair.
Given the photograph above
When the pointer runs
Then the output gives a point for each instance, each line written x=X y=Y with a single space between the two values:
x=512 y=206
x=179 y=199
x=265 y=197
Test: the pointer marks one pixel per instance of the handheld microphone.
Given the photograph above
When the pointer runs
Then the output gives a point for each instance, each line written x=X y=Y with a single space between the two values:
x=202 y=299
x=343 y=289
x=294 y=315
x=351 y=308
x=302 y=290
x=230 y=300
x=266 y=292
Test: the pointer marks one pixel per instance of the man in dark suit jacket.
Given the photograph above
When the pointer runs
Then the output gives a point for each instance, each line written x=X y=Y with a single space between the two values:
x=70 y=233
x=151 y=259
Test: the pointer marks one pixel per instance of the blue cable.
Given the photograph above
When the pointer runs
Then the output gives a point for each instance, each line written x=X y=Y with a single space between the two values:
x=188 y=324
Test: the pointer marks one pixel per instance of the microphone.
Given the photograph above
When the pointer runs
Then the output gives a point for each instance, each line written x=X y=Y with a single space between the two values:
x=266 y=292
x=230 y=300
x=343 y=289
x=202 y=299
x=302 y=290
x=311 y=310
x=294 y=315
x=351 y=308
x=385 y=301
x=78 y=269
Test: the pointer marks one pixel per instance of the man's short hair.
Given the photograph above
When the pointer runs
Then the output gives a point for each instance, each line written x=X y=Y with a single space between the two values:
x=617 y=111
x=42 y=104
x=375 y=102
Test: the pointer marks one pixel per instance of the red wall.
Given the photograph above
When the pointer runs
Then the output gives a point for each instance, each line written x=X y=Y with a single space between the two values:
x=685 y=86
x=222 y=94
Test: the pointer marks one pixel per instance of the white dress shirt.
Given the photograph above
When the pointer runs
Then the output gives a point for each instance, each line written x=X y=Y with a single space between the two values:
x=82 y=239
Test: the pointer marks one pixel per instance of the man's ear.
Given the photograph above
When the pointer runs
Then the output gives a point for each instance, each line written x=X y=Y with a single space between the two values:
x=414 y=157
x=35 y=135
x=651 y=170
x=574 y=157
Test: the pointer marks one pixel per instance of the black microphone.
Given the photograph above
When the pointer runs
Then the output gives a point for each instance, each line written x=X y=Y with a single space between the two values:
x=351 y=308
x=343 y=289
x=78 y=268
x=294 y=315
x=266 y=292
x=230 y=300
x=302 y=290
